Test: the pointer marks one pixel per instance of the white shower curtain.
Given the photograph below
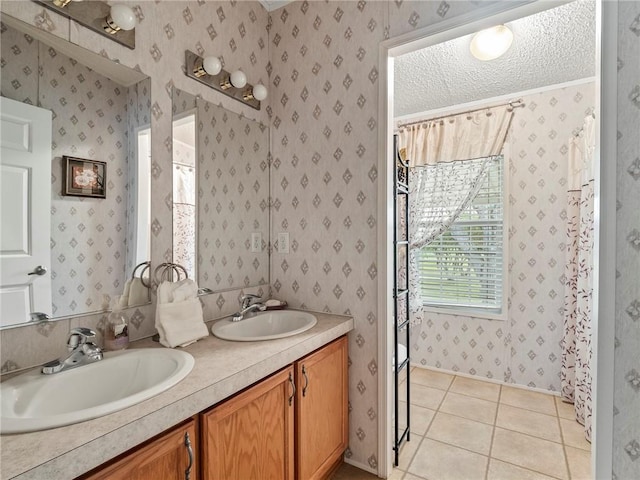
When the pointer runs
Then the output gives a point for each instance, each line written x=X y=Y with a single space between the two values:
x=448 y=159
x=576 y=341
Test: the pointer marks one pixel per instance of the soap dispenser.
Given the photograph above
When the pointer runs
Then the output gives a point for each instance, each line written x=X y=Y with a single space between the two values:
x=116 y=335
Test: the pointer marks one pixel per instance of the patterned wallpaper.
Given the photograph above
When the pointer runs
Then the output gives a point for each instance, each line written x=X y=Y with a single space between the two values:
x=320 y=62
x=626 y=420
x=525 y=349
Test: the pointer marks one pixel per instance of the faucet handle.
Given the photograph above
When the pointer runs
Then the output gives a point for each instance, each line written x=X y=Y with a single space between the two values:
x=79 y=336
x=247 y=299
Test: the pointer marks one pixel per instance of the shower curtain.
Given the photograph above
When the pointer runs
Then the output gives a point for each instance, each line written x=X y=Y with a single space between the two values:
x=576 y=341
x=448 y=159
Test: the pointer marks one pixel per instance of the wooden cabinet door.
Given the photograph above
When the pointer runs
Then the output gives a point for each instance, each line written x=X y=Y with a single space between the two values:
x=322 y=422
x=250 y=436
x=171 y=456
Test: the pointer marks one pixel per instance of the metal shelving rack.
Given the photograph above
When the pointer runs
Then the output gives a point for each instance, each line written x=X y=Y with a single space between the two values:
x=400 y=296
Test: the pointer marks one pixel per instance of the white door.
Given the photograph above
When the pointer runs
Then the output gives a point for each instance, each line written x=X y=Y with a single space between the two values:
x=25 y=209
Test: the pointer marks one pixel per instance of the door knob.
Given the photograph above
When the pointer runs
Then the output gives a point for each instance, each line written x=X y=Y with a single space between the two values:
x=39 y=270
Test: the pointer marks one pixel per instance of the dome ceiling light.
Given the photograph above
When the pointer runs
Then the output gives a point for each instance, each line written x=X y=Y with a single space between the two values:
x=491 y=43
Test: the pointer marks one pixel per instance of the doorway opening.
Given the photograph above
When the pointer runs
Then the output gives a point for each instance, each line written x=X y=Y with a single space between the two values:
x=390 y=51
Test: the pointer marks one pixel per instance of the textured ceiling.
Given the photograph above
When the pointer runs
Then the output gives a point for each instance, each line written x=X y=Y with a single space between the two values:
x=551 y=47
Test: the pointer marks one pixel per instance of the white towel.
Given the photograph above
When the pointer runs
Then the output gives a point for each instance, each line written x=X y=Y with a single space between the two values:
x=138 y=293
x=179 y=318
x=124 y=298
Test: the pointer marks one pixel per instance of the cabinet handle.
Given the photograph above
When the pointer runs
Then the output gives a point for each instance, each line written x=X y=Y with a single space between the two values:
x=293 y=387
x=187 y=443
x=306 y=381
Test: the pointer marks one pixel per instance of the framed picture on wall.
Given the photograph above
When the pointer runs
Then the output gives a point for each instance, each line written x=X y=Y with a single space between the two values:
x=84 y=178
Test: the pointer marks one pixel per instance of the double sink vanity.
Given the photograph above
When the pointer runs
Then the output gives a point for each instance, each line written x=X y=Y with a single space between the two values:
x=237 y=413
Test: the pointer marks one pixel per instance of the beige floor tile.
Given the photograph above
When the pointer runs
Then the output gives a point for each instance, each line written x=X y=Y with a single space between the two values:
x=565 y=410
x=538 y=402
x=396 y=474
x=444 y=462
x=476 y=388
x=573 y=434
x=409 y=476
x=529 y=422
x=432 y=379
x=579 y=463
x=505 y=471
x=426 y=396
x=420 y=418
x=407 y=450
x=461 y=432
x=530 y=452
x=469 y=407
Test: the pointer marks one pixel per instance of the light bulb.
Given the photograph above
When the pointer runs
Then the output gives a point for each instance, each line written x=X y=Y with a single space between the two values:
x=238 y=79
x=212 y=65
x=491 y=43
x=61 y=3
x=259 y=92
x=121 y=17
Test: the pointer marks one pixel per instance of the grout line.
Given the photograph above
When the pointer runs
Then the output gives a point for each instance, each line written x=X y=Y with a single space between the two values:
x=493 y=433
x=564 y=446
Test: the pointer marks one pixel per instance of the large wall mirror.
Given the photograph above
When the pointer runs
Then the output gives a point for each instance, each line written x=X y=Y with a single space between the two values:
x=98 y=193
x=220 y=195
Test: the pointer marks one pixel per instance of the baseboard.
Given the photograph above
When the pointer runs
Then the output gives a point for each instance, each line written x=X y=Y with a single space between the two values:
x=361 y=466
x=486 y=379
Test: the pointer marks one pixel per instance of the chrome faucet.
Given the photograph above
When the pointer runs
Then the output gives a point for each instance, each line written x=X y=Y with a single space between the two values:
x=248 y=303
x=82 y=351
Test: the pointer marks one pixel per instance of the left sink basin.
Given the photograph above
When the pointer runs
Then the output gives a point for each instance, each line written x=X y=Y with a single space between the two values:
x=33 y=401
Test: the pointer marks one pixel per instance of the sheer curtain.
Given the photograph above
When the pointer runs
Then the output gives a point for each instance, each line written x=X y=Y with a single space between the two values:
x=448 y=160
x=576 y=341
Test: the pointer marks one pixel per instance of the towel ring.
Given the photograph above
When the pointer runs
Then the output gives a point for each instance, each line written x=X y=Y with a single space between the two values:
x=166 y=271
x=145 y=266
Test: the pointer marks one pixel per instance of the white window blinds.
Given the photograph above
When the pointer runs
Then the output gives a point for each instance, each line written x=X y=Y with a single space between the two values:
x=463 y=267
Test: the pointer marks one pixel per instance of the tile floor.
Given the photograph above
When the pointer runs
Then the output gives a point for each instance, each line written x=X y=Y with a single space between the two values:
x=466 y=429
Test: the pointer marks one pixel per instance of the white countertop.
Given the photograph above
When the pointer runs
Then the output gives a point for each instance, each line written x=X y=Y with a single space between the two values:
x=221 y=369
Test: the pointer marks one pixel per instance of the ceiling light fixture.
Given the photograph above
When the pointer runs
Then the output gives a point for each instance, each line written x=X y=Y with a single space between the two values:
x=491 y=43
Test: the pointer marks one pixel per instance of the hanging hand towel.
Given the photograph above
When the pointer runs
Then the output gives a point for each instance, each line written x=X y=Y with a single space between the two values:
x=138 y=293
x=179 y=318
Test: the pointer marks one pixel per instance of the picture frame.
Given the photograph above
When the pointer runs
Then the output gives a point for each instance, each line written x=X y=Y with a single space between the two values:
x=84 y=178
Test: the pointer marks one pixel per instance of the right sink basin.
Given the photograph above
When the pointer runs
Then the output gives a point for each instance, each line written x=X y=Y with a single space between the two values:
x=265 y=326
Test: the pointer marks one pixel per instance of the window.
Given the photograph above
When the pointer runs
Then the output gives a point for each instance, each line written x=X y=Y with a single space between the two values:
x=463 y=268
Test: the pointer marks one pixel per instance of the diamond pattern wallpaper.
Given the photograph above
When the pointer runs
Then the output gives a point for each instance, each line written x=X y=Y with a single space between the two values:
x=524 y=349
x=320 y=62
x=626 y=421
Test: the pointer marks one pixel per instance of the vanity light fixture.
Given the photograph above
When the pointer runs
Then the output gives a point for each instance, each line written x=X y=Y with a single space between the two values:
x=259 y=92
x=209 y=71
x=116 y=21
x=207 y=66
x=491 y=43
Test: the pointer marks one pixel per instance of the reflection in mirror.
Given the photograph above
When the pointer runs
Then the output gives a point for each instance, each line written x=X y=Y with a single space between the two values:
x=95 y=243
x=221 y=234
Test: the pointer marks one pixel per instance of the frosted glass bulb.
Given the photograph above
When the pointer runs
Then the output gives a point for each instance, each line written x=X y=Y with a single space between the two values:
x=491 y=43
x=238 y=79
x=212 y=65
x=123 y=17
x=259 y=92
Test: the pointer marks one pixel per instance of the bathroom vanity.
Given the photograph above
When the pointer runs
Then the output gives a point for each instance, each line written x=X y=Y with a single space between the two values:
x=275 y=409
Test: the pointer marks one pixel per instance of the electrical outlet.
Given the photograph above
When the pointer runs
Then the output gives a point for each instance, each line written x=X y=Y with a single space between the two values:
x=256 y=242
x=283 y=242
